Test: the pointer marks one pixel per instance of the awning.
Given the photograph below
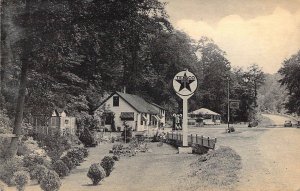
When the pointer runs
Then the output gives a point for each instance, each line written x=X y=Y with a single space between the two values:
x=127 y=115
x=144 y=118
x=156 y=117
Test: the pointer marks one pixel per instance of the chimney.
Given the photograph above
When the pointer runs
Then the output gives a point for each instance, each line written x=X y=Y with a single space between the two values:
x=124 y=90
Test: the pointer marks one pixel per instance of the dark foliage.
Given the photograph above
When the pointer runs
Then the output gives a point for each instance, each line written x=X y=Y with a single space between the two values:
x=60 y=168
x=96 y=173
x=87 y=138
x=69 y=162
x=290 y=72
x=51 y=181
x=127 y=133
x=107 y=163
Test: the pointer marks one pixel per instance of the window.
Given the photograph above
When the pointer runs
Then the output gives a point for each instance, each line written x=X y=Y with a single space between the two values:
x=116 y=101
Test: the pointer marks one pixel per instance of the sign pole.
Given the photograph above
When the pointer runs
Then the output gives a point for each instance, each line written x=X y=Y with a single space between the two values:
x=185 y=84
x=185 y=122
x=228 y=105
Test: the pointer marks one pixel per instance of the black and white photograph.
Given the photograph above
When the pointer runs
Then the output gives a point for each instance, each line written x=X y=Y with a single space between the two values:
x=150 y=95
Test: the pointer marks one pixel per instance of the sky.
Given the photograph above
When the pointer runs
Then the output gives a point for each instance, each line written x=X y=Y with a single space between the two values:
x=264 y=32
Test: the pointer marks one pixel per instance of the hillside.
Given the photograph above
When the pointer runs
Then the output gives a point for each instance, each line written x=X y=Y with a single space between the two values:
x=271 y=95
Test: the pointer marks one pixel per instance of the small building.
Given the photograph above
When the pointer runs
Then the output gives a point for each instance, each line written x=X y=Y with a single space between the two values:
x=205 y=116
x=137 y=112
x=58 y=121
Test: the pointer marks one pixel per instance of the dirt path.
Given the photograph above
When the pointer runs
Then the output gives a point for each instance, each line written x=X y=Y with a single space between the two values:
x=278 y=119
x=158 y=170
x=270 y=159
x=281 y=148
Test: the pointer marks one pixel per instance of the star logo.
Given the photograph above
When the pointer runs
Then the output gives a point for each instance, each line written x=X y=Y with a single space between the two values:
x=184 y=82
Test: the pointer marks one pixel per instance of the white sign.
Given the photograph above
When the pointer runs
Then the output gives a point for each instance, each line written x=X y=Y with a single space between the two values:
x=185 y=83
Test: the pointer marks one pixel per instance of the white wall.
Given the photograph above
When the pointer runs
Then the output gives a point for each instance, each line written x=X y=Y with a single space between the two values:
x=124 y=107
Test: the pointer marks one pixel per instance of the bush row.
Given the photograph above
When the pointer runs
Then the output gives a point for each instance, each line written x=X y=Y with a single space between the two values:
x=131 y=150
x=15 y=171
x=98 y=171
x=70 y=160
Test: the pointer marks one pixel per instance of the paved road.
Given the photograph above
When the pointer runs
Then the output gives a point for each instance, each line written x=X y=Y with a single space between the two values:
x=278 y=119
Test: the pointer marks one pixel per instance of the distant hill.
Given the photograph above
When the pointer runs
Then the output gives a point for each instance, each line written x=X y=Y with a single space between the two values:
x=271 y=95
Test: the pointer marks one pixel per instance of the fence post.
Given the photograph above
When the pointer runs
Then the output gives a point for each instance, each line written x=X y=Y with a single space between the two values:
x=196 y=139
x=201 y=139
x=191 y=139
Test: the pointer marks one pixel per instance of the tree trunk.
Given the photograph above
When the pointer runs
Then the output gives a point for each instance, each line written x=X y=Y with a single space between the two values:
x=19 y=110
x=26 y=46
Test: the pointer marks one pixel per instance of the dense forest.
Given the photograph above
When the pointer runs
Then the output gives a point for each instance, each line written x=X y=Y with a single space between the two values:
x=70 y=54
x=272 y=96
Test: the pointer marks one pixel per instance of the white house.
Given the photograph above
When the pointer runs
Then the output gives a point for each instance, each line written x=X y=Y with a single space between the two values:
x=58 y=121
x=137 y=112
x=66 y=123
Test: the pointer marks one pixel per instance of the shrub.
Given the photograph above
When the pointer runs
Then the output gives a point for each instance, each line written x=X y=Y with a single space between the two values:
x=61 y=168
x=117 y=149
x=8 y=168
x=199 y=149
x=231 y=129
x=3 y=147
x=96 y=173
x=2 y=186
x=107 y=163
x=70 y=164
x=85 y=151
x=30 y=146
x=21 y=179
x=76 y=156
x=51 y=181
x=32 y=160
x=54 y=144
x=39 y=172
x=127 y=133
x=116 y=157
x=87 y=138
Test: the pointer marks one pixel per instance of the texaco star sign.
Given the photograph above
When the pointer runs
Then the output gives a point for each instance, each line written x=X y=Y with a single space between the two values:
x=185 y=83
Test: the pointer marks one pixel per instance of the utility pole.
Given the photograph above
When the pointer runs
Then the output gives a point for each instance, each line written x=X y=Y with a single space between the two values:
x=228 y=105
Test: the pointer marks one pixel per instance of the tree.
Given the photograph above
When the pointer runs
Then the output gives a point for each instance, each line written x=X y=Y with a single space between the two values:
x=290 y=72
x=214 y=70
x=272 y=95
x=244 y=85
x=25 y=59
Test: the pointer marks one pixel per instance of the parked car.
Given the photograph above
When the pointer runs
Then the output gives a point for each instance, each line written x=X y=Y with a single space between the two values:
x=288 y=123
x=253 y=124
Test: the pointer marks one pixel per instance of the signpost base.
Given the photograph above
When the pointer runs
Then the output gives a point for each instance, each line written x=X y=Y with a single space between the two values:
x=185 y=150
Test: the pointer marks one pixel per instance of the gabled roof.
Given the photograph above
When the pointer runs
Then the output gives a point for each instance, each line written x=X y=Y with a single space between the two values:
x=160 y=107
x=204 y=111
x=136 y=102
